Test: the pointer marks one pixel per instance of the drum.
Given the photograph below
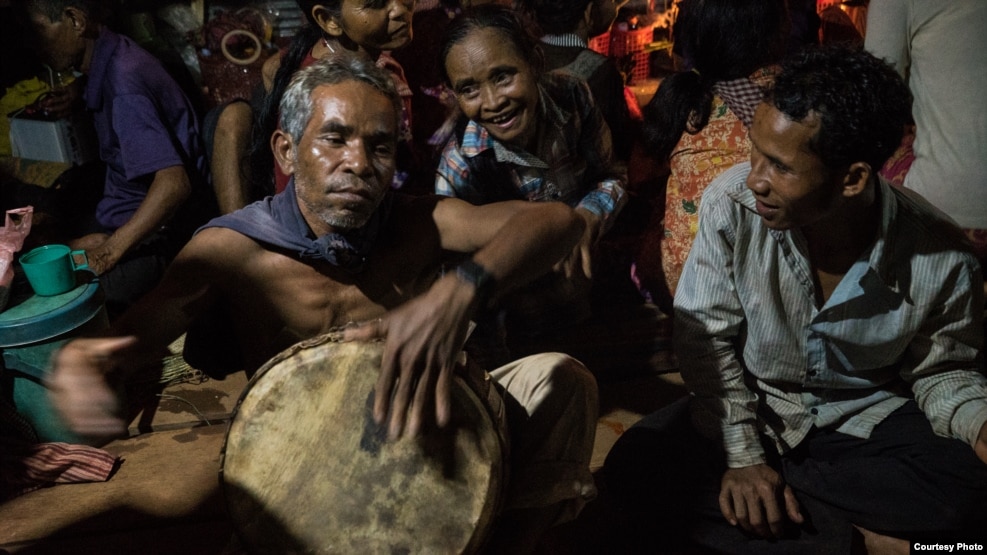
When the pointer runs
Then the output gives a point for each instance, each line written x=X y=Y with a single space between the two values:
x=305 y=469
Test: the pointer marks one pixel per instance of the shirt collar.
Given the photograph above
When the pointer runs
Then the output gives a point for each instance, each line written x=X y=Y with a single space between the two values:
x=742 y=195
x=565 y=39
x=103 y=51
x=881 y=257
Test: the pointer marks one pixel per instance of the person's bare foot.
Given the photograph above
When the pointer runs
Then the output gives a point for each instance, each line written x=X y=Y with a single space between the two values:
x=879 y=544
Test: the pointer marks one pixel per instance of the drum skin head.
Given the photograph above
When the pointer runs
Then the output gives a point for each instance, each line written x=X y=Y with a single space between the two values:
x=305 y=469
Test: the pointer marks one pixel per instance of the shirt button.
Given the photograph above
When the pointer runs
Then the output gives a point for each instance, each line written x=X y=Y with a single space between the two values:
x=814 y=410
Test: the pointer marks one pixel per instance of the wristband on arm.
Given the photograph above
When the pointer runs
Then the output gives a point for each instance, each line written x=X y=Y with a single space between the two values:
x=482 y=280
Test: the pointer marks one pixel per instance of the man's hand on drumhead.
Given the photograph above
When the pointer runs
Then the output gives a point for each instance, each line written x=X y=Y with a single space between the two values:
x=79 y=390
x=423 y=340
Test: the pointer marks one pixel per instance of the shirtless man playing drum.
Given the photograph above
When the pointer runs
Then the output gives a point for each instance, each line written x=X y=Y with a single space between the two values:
x=337 y=247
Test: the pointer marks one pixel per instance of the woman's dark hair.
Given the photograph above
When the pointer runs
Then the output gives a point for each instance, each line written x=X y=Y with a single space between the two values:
x=719 y=40
x=490 y=176
x=260 y=162
x=557 y=17
x=515 y=30
x=862 y=103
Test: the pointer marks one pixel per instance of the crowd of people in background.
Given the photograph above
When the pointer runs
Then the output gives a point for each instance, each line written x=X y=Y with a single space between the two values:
x=817 y=234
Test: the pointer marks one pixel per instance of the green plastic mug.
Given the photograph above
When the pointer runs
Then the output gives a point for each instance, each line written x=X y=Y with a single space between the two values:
x=50 y=269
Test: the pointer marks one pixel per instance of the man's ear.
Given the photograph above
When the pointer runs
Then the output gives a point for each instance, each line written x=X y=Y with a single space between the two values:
x=77 y=19
x=588 y=15
x=326 y=20
x=857 y=178
x=284 y=151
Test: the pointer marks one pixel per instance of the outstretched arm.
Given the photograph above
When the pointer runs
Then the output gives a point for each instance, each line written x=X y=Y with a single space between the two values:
x=85 y=373
x=512 y=242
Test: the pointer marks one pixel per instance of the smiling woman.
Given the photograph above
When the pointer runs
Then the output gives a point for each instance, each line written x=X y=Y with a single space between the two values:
x=495 y=87
x=522 y=133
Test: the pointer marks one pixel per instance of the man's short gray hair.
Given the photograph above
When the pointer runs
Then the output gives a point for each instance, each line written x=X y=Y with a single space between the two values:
x=296 y=104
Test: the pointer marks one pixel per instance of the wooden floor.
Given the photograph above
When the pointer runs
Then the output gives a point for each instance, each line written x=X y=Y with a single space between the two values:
x=165 y=497
x=598 y=530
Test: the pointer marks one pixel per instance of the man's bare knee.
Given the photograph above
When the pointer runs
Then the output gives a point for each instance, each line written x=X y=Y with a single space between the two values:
x=235 y=116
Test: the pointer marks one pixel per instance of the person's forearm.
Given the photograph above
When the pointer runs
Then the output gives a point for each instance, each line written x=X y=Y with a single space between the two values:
x=943 y=360
x=954 y=402
x=167 y=311
x=606 y=201
x=709 y=319
x=168 y=191
x=229 y=150
x=980 y=447
x=726 y=409
x=609 y=174
x=529 y=244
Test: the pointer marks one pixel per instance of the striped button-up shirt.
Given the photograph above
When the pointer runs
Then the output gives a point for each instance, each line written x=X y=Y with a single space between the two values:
x=573 y=162
x=760 y=356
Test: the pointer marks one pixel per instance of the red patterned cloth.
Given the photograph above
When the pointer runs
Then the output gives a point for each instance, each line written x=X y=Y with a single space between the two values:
x=742 y=96
x=695 y=161
x=27 y=465
x=896 y=167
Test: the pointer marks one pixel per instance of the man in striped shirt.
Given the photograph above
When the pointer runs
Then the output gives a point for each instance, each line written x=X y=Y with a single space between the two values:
x=830 y=331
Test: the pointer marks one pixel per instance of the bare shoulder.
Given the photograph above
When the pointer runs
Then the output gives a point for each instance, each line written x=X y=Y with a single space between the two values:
x=220 y=241
x=219 y=248
x=207 y=266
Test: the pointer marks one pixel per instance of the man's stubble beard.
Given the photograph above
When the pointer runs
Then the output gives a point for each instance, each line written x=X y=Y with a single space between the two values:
x=335 y=218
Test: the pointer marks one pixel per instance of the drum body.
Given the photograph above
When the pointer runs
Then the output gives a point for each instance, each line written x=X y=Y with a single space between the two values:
x=306 y=469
